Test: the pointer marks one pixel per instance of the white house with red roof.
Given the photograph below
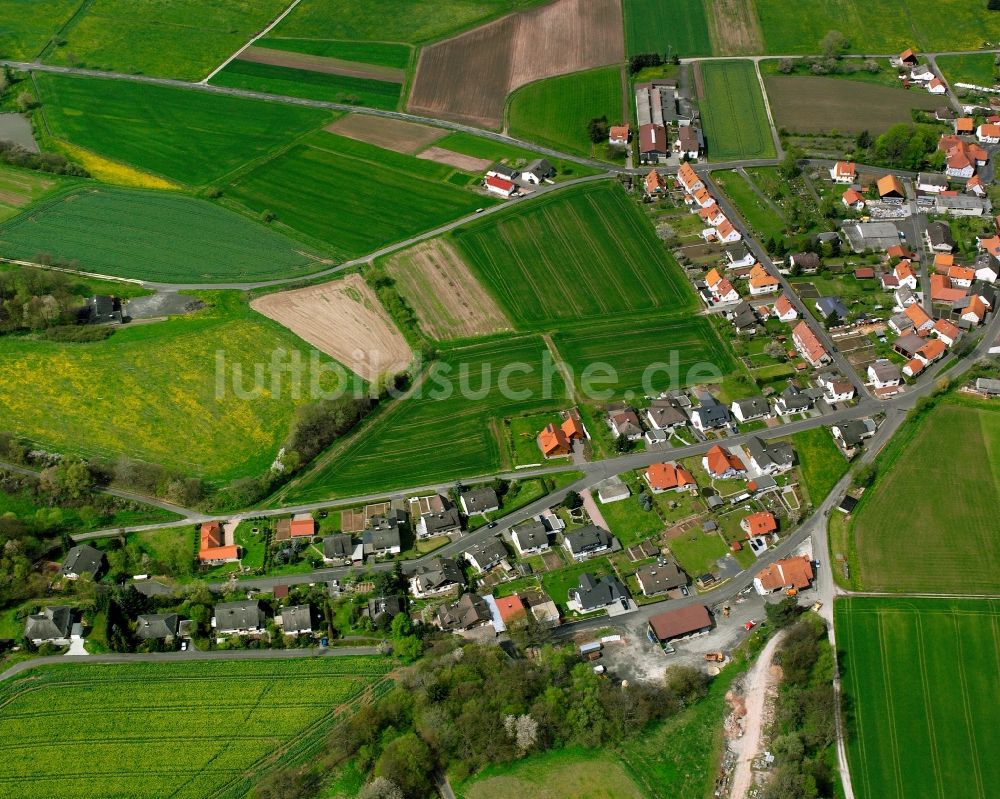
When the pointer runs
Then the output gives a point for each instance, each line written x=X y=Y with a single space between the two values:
x=853 y=200
x=784 y=309
x=727 y=232
x=618 y=135
x=936 y=86
x=843 y=172
x=988 y=134
x=498 y=185
x=947 y=331
x=905 y=275
x=808 y=345
x=689 y=179
x=762 y=281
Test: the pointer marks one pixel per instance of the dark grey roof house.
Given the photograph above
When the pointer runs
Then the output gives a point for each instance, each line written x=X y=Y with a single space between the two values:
x=51 y=626
x=438 y=576
x=592 y=594
x=444 y=522
x=381 y=542
x=665 y=414
x=853 y=432
x=831 y=305
x=793 y=400
x=101 y=309
x=383 y=607
x=939 y=237
x=82 y=559
x=587 y=541
x=239 y=617
x=537 y=171
x=710 y=414
x=337 y=547
x=486 y=554
x=771 y=458
x=157 y=626
x=479 y=500
x=297 y=619
x=751 y=408
x=468 y=612
x=656 y=579
x=529 y=537
x=504 y=171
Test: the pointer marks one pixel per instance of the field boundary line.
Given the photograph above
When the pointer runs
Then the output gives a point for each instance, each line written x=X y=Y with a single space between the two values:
x=887 y=687
x=966 y=709
x=260 y=35
x=922 y=664
x=67 y=26
x=775 y=138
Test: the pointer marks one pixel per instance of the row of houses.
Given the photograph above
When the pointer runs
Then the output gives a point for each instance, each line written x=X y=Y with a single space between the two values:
x=719 y=228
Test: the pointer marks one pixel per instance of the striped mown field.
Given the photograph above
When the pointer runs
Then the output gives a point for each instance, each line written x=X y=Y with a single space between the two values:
x=585 y=253
x=185 y=730
x=920 y=680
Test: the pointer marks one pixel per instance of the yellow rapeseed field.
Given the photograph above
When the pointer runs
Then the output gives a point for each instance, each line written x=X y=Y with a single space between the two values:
x=113 y=172
x=150 y=392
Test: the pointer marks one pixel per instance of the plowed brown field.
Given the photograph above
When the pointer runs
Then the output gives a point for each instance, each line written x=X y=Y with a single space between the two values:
x=390 y=134
x=467 y=78
x=343 y=319
x=449 y=301
x=467 y=163
x=316 y=63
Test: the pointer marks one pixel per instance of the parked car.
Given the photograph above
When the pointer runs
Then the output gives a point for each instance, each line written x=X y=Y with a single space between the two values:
x=750 y=625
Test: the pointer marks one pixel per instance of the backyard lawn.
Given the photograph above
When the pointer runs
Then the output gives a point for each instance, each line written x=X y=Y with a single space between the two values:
x=821 y=464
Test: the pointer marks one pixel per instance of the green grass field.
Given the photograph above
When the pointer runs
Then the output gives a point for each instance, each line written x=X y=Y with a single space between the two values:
x=555 y=112
x=583 y=253
x=559 y=774
x=381 y=20
x=19 y=188
x=820 y=462
x=386 y=54
x=170 y=38
x=646 y=356
x=733 y=112
x=677 y=27
x=187 y=136
x=453 y=429
x=920 y=681
x=28 y=25
x=190 y=729
x=310 y=84
x=977 y=68
x=929 y=523
x=757 y=213
x=131 y=233
x=150 y=391
x=348 y=194
x=697 y=552
x=879 y=26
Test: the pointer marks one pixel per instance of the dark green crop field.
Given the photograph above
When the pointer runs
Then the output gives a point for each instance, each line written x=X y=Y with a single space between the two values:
x=130 y=233
x=354 y=196
x=188 y=136
x=583 y=253
x=920 y=682
x=452 y=428
x=307 y=83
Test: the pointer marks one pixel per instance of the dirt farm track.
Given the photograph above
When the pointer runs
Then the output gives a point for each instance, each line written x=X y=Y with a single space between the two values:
x=468 y=78
x=343 y=319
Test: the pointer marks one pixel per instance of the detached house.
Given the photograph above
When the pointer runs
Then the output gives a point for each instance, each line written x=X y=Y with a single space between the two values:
x=486 y=554
x=905 y=275
x=784 y=309
x=82 y=559
x=439 y=576
x=843 y=172
x=710 y=415
x=653 y=146
x=51 y=626
x=655 y=579
x=586 y=542
x=809 y=345
x=664 y=414
x=593 y=594
x=239 y=618
x=479 y=500
x=668 y=477
x=947 y=331
x=558 y=441
x=793 y=400
x=988 y=134
x=784 y=575
x=756 y=524
x=213 y=549
x=853 y=200
x=625 y=424
x=500 y=186
x=469 y=612
x=762 y=281
x=883 y=373
x=747 y=410
x=721 y=464
x=529 y=538
x=444 y=522
x=774 y=458
x=618 y=135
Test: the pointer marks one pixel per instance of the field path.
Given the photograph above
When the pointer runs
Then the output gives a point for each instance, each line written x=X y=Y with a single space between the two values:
x=260 y=35
x=758 y=689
